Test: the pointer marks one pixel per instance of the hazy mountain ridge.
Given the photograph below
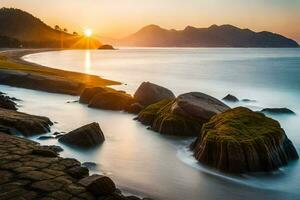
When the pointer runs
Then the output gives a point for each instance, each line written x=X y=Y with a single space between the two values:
x=213 y=36
x=33 y=32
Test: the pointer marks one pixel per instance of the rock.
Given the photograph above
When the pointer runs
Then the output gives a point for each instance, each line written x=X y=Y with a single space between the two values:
x=135 y=108
x=248 y=100
x=74 y=101
x=278 y=111
x=89 y=135
x=230 y=98
x=45 y=137
x=98 y=185
x=54 y=148
x=90 y=165
x=106 y=47
x=150 y=93
x=44 y=152
x=88 y=93
x=183 y=116
x=111 y=101
x=56 y=133
x=7 y=103
x=24 y=123
x=240 y=140
x=78 y=172
x=5 y=129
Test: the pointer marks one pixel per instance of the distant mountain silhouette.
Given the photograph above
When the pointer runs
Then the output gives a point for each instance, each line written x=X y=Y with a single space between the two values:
x=32 y=32
x=214 y=36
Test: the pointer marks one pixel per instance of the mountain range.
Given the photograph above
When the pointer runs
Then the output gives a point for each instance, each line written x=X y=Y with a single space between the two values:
x=20 y=27
x=32 y=32
x=213 y=36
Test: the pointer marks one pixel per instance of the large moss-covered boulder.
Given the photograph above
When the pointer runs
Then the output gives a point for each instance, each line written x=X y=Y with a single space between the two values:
x=240 y=140
x=183 y=116
x=150 y=93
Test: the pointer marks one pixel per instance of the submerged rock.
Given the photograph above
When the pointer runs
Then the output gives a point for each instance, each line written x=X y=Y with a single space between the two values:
x=230 y=98
x=90 y=165
x=150 y=93
x=86 y=136
x=240 y=140
x=45 y=137
x=183 y=116
x=111 y=101
x=24 y=123
x=7 y=103
x=278 y=111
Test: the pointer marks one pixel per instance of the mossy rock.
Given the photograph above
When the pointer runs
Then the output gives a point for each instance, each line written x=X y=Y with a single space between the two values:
x=240 y=140
x=162 y=120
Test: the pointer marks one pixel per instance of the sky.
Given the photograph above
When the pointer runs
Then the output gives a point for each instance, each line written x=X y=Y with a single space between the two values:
x=119 y=18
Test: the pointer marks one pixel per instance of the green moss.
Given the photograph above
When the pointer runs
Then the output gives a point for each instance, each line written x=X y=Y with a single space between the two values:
x=241 y=125
x=161 y=119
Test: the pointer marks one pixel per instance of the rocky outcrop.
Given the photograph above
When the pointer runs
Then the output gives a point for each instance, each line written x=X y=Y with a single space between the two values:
x=24 y=123
x=240 y=140
x=106 y=47
x=183 y=116
x=7 y=102
x=86 y=136
x=150 y=93
x=135 y=108
x=230 y=98
x=40 y=82
x=278 y=111
x=29 y=171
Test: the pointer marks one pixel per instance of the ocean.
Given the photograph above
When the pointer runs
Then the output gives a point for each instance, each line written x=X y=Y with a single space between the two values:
x=146 y=163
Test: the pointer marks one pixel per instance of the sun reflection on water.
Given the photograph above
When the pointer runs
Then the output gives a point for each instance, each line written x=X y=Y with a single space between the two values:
x=87 y=62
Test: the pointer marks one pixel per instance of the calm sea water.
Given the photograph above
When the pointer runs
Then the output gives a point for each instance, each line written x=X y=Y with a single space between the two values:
x=146 y=163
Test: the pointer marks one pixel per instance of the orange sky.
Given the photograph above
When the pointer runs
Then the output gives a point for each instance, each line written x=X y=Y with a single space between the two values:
x=118 y=18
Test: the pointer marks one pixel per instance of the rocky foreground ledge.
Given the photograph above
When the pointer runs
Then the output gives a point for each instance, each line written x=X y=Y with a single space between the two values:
x=29 y=171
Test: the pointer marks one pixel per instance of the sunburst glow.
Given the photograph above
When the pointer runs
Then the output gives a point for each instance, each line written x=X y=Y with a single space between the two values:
x=88 y=32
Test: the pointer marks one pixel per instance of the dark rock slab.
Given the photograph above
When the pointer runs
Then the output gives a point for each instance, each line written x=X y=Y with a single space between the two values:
x=98 y=185
x=88 y=93
x=278 y=111
x=150 y=93
x=240 y=140
x=7 y=103
x=78 y=172
x=24 y=123
x=230 y=98
x=86 y=136
x=111 y=101
x=44 y=152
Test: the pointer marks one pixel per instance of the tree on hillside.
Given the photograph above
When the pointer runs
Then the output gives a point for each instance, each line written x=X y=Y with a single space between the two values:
x=65 y=30
x=57 y=28
x=75 y=33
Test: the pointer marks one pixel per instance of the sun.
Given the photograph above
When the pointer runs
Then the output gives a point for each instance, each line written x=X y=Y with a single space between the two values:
x=88 y=32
